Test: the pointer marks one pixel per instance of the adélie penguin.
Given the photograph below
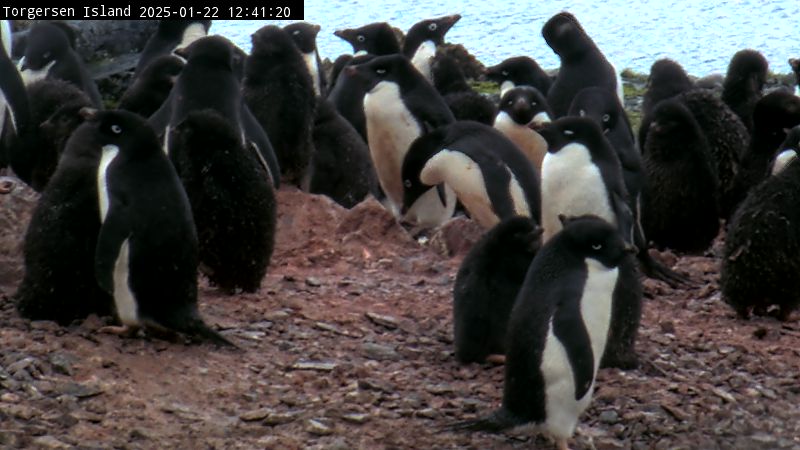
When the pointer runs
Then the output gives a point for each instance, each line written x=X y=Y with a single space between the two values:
x=558 y=331
x=147 y=253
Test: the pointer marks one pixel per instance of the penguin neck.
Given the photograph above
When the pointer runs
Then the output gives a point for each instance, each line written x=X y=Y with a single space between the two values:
x=30 y=76
x=422 y=58
x=528 y=141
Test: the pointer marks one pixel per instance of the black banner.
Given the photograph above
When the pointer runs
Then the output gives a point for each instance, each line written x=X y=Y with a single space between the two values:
x=199 y=10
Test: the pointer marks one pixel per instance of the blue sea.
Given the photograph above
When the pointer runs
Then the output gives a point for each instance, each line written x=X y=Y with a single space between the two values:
x=701 y=35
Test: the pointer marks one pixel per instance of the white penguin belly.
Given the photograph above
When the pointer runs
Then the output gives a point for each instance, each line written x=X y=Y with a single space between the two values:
x=573 y=186
x=390 y=131
x=30 y=76
x=5 y=35
x=127 y=310
x=562 y=410
x=311 y=63
x=428 y=211
x=782 y=160
x=531 y=143
x=422 y=59
x=459 y=171
x=107 y=157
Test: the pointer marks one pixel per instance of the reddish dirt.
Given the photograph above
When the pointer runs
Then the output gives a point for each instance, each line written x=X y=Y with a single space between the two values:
x=348 y=345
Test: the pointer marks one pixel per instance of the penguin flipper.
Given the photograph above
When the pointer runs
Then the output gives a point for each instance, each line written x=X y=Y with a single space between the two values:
x=257 y=137
x=625 y=219
x=571 y=332
x=501 y=419
x=113 y=233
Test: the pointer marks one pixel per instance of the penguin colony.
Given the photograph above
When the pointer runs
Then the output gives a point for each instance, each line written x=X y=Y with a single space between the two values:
x=181 y=180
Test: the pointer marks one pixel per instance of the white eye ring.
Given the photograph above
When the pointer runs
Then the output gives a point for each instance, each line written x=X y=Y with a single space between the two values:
x=597 y=246
x=568 y=132
x=296 y=32
x=533 y=103
x=505 y=73
x=361 y=38
x=432 y=27
x=116 y=129
x=407 y=183
x=582 y=113
x=380 y=71
x=606 y=117
x=46 y=55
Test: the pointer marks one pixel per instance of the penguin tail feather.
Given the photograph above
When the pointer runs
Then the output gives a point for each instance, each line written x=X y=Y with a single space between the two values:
x=498 y=421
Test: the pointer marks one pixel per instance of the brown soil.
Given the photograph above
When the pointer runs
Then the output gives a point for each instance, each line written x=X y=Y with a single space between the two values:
x=348 y=345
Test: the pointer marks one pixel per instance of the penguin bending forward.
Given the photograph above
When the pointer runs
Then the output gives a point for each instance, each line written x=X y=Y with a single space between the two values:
x=558 y=330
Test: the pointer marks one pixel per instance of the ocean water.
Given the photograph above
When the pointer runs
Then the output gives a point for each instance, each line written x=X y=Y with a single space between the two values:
x=701 y=35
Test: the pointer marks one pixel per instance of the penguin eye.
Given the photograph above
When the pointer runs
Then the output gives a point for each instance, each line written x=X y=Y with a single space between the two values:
x=432 y=27
x=46 y=55
x=296 y=32
x=510 y=101
x=361 y=38
x=606 y=117
x=533 y=103
x=407 y=183
x=582 y=113
x=505 y=73
x=380 y=71
x=116 y=129
x=597 y=246
x=568 y=132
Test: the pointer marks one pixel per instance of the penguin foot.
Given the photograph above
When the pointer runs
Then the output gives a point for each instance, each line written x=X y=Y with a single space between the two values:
x=620 y=360
x=496 y=359
x=561 y=444
x=658 y=271
x=119 y=330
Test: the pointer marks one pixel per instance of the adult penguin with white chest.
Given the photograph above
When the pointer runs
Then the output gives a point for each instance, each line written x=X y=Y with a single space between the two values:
x=581 y=174
x=489 y=174
x=558 y=330
x=524 y=109
x=280 y=92
x=400 y=106
x=14 y=108
x=227 y=183
x=50 y=53
x=422 y=40
x=147 y=253
x=304 y=35
x=582 y=63
x=170 y=36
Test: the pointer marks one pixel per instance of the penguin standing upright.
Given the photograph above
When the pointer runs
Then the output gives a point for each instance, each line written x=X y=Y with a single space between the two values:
x=400 y=106
x=169 y=36
x=558 y=330
x=146 y=256
x=227 y=182
x=279 y=91
x=487 y=285
x=422 y=40
x=489 y=174
x=524 y=109
x=581 y=174
x=60 y=243
x=14 y=109
x=582 y=63
x=666 y=80
x=347 y=91
x=304 y=36
x=747 y=73
x=519 y=71
x=50 y=53
x=680 y=200
x=760 y=265
x=773 y=115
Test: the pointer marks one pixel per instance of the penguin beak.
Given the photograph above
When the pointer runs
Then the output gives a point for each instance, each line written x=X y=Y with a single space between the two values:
x=447 y=22
x=88 y=113
x=316 y=28
x=23 y=64
x=630 y=248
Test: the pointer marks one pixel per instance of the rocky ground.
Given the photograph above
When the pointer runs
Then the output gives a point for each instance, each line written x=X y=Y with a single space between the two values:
x=348 y=346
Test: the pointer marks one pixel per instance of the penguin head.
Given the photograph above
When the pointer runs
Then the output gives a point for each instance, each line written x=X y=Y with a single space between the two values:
x=519 y=233
x=526 y=106
x=211 y=51
x=590 y=237
x=515 y=69
x=64 y=120
x=448 y=76
x=672 y=121
x=162 y=72
x=375 y=39
x=428 y=30
x=205 y=132
x=747 y=66
x=304 y=35
x=792 y=141
x=574 y=130
x=773 y=116
x=272 y=41
x=127 y=131
x=565 y=35
x=392 y=68
x=599 y=104
x=47 y=43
